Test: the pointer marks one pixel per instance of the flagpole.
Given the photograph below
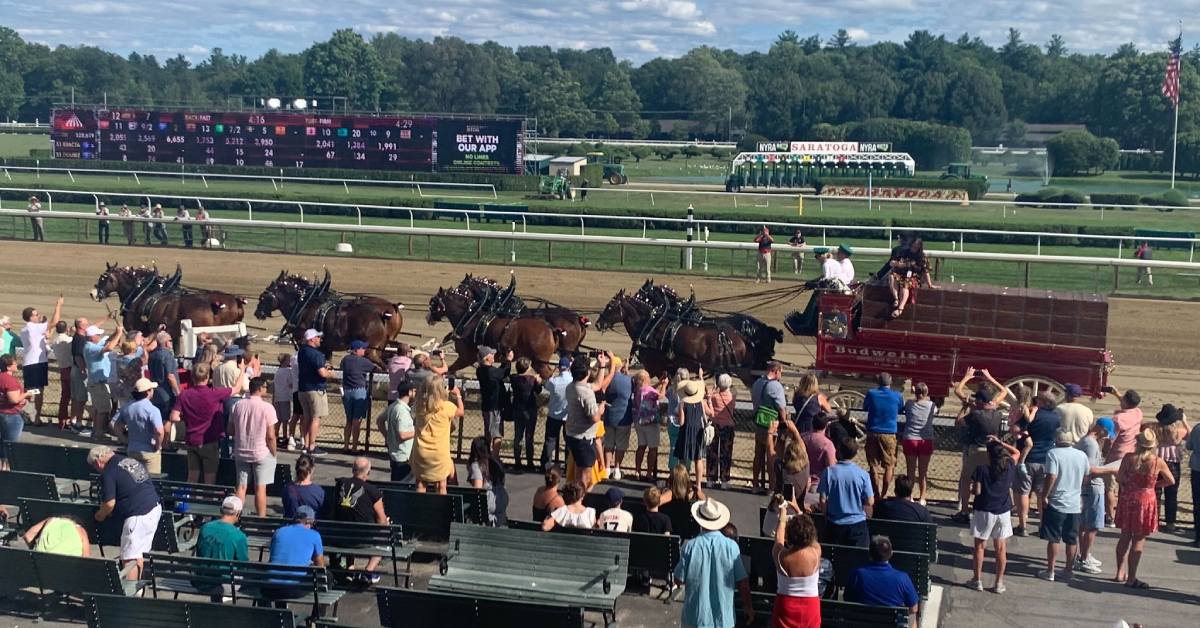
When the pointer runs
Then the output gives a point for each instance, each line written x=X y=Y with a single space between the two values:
x=1174 y=145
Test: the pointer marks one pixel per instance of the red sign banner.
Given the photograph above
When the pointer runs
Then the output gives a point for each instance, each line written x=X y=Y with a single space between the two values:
x=914 y=194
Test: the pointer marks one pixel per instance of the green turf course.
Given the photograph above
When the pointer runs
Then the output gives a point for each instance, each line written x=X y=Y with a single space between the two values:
x=649 y=258
x=19 y=144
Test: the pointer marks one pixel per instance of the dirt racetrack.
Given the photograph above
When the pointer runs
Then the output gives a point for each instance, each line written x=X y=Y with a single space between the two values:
x=1155 y=342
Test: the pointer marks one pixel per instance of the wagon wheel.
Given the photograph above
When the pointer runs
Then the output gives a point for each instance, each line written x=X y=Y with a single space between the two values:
x=848 y=399
x=1038 y=384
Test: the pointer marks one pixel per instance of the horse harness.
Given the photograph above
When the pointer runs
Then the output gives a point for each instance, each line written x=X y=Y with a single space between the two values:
x=319 y=291
x=663 y=327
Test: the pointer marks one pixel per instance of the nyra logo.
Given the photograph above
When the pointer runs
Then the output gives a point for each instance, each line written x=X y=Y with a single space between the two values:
x=886 y=354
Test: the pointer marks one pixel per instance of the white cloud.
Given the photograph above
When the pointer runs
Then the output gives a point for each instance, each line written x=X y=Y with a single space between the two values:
x=99 y=8
x=858 y=34
x=278 y=27
x=196 y=49
x=645 y=45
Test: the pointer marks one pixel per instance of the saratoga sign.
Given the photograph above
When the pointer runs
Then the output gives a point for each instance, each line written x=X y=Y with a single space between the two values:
x=915 y=194
x=840 y=148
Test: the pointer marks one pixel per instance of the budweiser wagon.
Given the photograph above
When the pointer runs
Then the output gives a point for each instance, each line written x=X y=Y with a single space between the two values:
x=1040 y=338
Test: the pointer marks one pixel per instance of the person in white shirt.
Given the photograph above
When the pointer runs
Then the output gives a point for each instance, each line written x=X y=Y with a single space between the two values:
x=830 y=268
x=615 y=519
x=35 y=364
x=102 y=225
x=1074 y=418
x=843 y=259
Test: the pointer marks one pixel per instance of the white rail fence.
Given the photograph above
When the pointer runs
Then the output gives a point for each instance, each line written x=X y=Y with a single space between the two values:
x=598 y=221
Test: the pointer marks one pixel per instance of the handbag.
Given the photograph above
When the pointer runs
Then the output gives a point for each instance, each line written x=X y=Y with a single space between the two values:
x=766 y=414
x=709 y=433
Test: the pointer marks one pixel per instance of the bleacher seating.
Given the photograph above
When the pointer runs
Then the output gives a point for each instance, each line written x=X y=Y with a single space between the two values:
x=403 y=608
x=423 y=516
x=651 y=556
x=343 y=538
x=124 y=612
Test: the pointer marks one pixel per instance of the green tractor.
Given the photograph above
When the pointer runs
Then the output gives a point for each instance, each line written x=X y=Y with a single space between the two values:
x=556 y=186
x=960 y=171
x=614 y=170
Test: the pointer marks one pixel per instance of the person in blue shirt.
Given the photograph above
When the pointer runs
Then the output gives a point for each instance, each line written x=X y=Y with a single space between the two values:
x=846 y=498
x=297 y=545
x=1041 y=428
x=618 y=418
x=880 y=584
x=312 y=369
x=711 y=567
x=95 y=357
x=556 y=411
x=883 y=406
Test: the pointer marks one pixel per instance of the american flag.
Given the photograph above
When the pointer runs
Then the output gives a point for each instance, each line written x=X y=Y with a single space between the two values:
x=1170 y=87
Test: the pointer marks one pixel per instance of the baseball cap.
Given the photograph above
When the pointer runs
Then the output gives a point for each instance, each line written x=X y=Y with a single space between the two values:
x=358 y=344
x=615 y=496
x=233 y=504
x=144 y=384
x=564 y=362
x=305 y=513
x=93 y=330
x=1107 y=424
x=312 y=333
x=616 y=362
x=486 y=351
x=1073 y=390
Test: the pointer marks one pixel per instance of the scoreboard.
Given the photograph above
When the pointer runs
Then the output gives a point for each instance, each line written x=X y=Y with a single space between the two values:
x=291 y=140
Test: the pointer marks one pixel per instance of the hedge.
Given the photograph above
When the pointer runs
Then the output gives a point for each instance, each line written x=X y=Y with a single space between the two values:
x=1169 y=199
x=25 y=130
x=1048 y=197
x=1108 y=199
x=975 y=188
x=503 y=182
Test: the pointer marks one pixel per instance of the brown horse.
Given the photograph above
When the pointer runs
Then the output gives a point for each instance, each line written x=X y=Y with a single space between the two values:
x=146 y=308
x=531 y=338
x=343 y=318
x=661 y=347
x=571 y=327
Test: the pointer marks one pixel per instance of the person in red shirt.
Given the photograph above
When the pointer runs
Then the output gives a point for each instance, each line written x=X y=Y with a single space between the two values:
x=764 y=241
x=202 y=410
x=12 y=399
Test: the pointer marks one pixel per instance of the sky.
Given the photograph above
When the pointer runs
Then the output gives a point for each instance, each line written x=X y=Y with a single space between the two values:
x=637 y=30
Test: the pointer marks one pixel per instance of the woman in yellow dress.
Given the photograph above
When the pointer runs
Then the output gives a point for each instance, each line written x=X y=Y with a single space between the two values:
x=434 y=419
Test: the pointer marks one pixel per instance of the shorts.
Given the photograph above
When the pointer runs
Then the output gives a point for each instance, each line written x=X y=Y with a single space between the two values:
x=761 y=436
x=101 y=398
x=991 y=526
x=206 y=457
x=35 y=376
x=400 y=470
x=314 y=404
x=881 y=450
x=973 y=458
x=137 y=533
x=1059 y=527
x=583 y=451
x=11 y=426
x=617 y=438
x=296 y=407
x=79 y=392
x=355 y=403
x=917 y=447
x=263 y=470
x=1092 y=517
x=493 y=424
x=1033 y=478
x=648 y=435
x=283 y=409
x=853 y=534
x=152 y=460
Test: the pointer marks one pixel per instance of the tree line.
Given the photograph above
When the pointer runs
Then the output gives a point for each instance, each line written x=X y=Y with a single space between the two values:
x=798 y=88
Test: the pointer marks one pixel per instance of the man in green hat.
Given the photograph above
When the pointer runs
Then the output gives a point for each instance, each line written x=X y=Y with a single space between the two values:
x=847 y=267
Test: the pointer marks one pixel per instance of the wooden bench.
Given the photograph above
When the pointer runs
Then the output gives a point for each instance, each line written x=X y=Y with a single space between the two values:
x=500 y=563
x=203 y=500
x=123 y=612
x=423 y=516
x=64 y=575
x=845 y=560
x=343 y=538
x=833 y=613
x=63 y=462
x=34 y=510
x=17 y=484
x=403 y=608
x=176 y=574
x=651 y=556
x=475 y=500
x=906 y=536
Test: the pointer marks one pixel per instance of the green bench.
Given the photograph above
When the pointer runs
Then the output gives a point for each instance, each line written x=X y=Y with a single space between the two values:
x=906 y=536
x=63 y=462
x=203 y=500
x=475 y=500
x=499 y=563
x=344 y=538
x=123 y=612
x=17 y=484
x=423 y=516
x=166 y=537
x=833 y=613
x=651 y=556
x=845 y=560
x=63 y=575
x=405 y=608
x=176 y=574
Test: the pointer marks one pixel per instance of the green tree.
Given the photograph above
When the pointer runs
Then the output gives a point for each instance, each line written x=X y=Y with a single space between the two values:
x=448 y=74
x=618 y=106
x=840 y=39
x=558 y=103
x=691 y=150
x=640 y=152
x=344 y=66
x=1056 y=47
x=12 y=94
x=666 y=153
x=974 y=100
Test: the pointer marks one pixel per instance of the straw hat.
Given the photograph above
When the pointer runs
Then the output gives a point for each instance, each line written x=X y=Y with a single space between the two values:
x=691 y=391
x=710 y=514
x=1147 y=439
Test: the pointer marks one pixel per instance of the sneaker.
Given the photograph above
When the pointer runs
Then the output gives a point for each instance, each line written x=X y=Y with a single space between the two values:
x=291 y=444
x=1091 y=560
x=923 y=501
x=960 y=517
x=371 y=577
x=1046 y=575
x=615 y=474
x=317 y=452
x=1000 y=588
x=85 y=432
x=723 y=485
x=975 y=585
x=1086 y=567
x=1020 y=531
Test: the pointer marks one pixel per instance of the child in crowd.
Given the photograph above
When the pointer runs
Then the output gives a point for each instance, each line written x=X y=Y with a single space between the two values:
x=652 y=521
